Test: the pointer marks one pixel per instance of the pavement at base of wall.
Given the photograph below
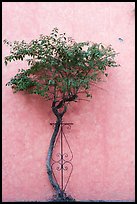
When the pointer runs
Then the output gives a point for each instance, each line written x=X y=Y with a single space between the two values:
x=84 y=201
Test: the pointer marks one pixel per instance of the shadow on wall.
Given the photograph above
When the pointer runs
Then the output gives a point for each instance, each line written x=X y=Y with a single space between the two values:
x=39 y=105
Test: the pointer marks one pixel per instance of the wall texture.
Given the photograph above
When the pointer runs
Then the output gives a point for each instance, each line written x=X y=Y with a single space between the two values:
x=102 y=137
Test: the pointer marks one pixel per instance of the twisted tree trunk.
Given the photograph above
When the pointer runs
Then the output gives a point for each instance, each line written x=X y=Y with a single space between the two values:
x=52 y=180
x=59 y=115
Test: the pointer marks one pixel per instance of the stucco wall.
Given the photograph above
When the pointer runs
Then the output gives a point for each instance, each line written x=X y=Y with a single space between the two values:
x=102 y=137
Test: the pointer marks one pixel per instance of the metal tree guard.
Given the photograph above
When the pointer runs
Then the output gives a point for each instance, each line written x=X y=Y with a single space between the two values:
x=61 y=161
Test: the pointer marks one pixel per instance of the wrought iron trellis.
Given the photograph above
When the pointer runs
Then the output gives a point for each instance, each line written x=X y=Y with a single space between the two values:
x=61 y=161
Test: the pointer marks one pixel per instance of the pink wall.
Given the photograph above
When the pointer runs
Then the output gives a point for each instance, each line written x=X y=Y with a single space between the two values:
x=102 y=137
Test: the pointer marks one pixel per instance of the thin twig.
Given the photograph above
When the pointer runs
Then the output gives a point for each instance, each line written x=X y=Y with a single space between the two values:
x=83 y=99
x=98 y=87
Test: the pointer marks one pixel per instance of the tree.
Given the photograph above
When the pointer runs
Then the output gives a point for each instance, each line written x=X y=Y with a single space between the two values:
x=60 y=70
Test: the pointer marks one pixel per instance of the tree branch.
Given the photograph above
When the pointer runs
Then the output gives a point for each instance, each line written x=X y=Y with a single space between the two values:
x=66 y=99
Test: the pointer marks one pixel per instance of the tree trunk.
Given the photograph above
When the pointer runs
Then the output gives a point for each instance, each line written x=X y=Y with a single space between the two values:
x=52 y=180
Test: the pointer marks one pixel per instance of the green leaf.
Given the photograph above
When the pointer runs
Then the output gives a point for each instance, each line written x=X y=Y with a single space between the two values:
x=89 y=95
x=51 y=82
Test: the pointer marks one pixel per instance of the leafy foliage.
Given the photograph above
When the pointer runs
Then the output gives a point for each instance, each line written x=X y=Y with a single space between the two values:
x=59 y=67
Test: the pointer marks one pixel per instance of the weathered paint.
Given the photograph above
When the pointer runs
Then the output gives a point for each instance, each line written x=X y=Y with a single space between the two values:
x=102 y=137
